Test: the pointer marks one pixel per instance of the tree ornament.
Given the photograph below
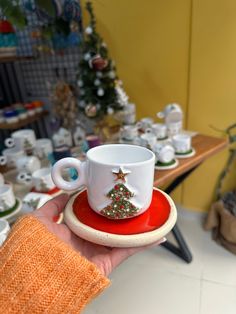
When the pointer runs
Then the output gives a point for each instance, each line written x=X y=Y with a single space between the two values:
x=87 y=56
x=97 y=82
x=80 y=83
x=97 y=63
x=99 y=74
x=110 y=110
x=88 y=30
x=112 y=74
x=100 y=92
x=82 y=104
x=82 y=91
x=91 y=111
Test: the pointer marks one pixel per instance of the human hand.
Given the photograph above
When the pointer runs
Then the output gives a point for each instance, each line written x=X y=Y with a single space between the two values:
x=105 y=258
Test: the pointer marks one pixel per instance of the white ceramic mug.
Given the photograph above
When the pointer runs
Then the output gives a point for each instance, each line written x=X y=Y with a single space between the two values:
x=118 y=177
x=12 y=155
x=34 y=200
x=4 y=230
x=43 y=147
x=1 y=179
x=145 y=123
x=23 y=139
x=165 y=153
x=182 y=143
x=42 y=180
x=28 y=164
x=159 y=129
x=129 y=132
x=174 y=128
x=148 y=140
x=7 y=197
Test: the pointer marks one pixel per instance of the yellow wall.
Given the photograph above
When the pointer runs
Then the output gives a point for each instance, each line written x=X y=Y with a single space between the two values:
x=182 y=51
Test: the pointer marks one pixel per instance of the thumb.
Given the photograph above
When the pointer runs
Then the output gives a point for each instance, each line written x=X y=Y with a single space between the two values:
x=55 y=206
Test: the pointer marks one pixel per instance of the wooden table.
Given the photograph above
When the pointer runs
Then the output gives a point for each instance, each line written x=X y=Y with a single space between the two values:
x=205 y=147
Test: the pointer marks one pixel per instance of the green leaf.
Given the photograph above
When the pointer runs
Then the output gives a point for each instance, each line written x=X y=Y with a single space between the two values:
x=47 y=5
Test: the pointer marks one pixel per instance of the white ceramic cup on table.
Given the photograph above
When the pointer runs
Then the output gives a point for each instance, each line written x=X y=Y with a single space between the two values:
x=148 y=140
x=42 y=180
x=107 y=169
x=174 y=128
x=182 y=143
x=28 y=164
x=165 y=153
x=12 y=155
x=158 y=129
x=4 y=230
x=129 y=132
x=1 y=179
x=23 y=139
x=43 y=147
x=7 y=197
x=145 y=123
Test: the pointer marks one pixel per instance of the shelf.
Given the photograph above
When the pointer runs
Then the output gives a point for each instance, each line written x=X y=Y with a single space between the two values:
x=15 y=58
x=24 y=122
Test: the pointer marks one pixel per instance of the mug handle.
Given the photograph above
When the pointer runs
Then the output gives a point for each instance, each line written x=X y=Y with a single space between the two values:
x=69 y=162
x=160 y=115
x=148 y=130
x=9 y=142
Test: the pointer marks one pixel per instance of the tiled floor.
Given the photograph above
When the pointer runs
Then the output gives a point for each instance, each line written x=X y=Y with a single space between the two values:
x=157 y=282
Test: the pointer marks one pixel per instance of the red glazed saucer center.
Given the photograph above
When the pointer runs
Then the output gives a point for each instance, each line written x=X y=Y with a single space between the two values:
x=153 y=218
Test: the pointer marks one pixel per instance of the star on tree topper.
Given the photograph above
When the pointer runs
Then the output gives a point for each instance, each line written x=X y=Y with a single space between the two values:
x=120 y=174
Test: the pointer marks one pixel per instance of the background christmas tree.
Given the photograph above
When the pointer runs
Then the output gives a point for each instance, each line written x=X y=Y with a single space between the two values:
x=120 y=207
x=97 y=78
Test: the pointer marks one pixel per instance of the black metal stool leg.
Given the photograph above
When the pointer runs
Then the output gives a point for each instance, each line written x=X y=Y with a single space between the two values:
x=182 y=251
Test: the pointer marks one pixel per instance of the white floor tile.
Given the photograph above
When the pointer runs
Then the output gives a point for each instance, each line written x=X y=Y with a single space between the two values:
x=219 y=264
x=149 y=290
x=217 y=299
x=156 y=281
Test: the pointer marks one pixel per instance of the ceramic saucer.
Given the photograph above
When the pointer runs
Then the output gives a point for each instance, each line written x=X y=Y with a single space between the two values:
x=171 y=165
x=12 y=216
x=188 y=154
x=144 y=229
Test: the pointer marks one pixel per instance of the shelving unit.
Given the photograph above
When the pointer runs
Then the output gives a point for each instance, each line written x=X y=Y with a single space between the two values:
x=15 y=58
x=36 y=122
x=24 y=122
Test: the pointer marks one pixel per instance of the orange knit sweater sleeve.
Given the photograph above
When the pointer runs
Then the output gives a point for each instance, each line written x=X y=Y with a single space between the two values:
x=41 y=274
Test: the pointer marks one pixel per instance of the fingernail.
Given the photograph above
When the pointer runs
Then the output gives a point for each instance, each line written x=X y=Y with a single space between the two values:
x=163 y=240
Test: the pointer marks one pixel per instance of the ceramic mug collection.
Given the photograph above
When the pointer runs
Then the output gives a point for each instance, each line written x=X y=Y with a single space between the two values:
x=127 y=173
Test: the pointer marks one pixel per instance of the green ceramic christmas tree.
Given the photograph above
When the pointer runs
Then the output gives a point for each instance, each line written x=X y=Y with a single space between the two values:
x=120 y=206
